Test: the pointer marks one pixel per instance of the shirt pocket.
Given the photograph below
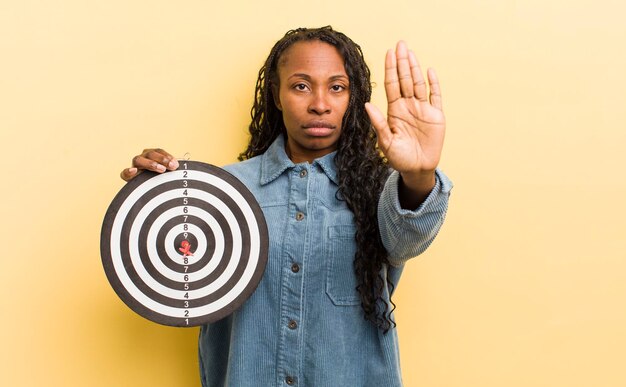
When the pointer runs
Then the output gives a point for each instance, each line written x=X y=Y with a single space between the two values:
x=341 y=280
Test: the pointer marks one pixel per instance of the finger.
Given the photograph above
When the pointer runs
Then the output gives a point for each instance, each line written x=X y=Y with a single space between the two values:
x=435 y=89
x=392 y=85
x=129 y=173
x=419 y=85
x=141 y=162
x=380 y=125
x=162 y=157
x=404 y=70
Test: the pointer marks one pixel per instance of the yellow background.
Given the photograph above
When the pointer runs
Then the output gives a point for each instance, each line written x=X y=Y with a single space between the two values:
x=526 y=283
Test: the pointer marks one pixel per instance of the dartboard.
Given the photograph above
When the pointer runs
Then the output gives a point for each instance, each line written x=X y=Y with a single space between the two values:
x=186 y=247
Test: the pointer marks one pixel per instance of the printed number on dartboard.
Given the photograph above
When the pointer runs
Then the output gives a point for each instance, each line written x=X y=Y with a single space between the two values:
x=185 y=236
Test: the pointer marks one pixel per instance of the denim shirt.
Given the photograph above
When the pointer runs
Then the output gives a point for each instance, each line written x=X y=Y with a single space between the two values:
x=304 y=326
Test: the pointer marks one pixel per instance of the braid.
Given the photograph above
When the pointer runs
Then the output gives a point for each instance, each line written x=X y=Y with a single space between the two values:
x=358 y=160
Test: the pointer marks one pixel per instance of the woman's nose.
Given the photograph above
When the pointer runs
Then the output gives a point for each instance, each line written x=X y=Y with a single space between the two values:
x=319 y=103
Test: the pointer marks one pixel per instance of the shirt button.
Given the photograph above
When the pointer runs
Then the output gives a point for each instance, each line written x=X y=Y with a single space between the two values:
x=303 y=173
x=292 y=324
x=299 y=216
x=290 y=380
x=295 y=268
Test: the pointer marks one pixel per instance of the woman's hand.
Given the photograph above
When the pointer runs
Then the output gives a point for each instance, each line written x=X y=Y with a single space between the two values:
x=412 y=135
x=156 y=160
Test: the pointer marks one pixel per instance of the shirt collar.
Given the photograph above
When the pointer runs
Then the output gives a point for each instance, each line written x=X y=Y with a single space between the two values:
x=275 y=161
x=327 y=163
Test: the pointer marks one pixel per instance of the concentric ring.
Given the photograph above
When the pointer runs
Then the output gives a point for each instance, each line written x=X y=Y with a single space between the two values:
x=222 y=253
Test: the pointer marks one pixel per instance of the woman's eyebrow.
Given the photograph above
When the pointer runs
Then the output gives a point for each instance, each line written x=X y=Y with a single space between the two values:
x=308 y=77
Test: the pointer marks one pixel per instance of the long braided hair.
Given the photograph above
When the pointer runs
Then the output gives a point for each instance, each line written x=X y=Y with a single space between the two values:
x=358 y=160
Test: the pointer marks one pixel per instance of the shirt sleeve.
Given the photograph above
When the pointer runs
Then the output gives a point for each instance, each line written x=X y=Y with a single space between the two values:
x=405 y=233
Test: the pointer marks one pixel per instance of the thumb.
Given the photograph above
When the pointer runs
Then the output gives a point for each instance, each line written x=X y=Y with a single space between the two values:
x=380 y=124
x=129 y=173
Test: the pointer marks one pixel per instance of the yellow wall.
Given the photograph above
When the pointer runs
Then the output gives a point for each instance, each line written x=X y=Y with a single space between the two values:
x=525 y=285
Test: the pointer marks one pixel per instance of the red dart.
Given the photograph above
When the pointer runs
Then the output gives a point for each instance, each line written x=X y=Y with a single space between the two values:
x=184 y=248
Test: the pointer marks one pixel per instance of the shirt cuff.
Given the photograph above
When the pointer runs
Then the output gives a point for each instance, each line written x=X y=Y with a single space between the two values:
x=407 y=233
x=443 y=186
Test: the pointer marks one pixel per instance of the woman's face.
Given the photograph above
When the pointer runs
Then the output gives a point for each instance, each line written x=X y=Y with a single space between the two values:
x=313 y=96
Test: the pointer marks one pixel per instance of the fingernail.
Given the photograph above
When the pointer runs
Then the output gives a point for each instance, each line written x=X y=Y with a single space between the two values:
x=173 y=164
x=132 y=170
x=160 y=168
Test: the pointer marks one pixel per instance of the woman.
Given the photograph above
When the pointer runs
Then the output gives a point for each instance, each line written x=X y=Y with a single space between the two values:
x=342 y=218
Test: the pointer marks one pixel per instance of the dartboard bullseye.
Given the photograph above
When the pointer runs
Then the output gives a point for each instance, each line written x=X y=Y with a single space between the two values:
x=186 y=247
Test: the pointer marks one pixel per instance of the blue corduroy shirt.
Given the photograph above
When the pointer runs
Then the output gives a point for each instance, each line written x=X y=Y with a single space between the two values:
x=304 y=326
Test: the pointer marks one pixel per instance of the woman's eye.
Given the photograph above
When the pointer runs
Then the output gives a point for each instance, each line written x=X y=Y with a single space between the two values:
x=300 y=86
x=337 y=88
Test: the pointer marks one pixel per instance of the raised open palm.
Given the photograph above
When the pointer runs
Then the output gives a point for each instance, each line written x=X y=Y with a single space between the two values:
x=411 y=137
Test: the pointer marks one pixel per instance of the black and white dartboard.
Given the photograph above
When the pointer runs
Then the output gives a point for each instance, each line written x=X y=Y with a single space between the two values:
x=186 y=247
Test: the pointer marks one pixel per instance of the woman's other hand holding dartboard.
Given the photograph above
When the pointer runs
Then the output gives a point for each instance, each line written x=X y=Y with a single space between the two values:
x=156 y=160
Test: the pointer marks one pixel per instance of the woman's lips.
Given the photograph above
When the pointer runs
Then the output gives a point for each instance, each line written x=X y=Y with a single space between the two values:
x=318 y=128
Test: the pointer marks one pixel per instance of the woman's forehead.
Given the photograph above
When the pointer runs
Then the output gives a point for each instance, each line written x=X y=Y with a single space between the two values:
x=312 y=55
